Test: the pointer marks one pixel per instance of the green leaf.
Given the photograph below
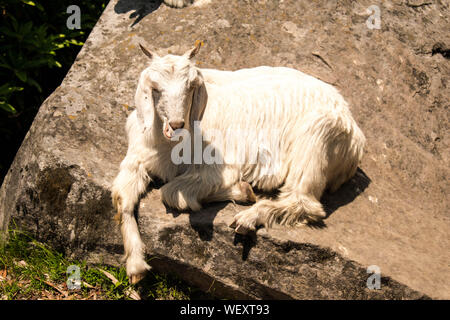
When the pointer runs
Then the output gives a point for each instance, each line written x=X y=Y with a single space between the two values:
x=22 y=75
x=14 y=23
x=12 y=89
x=33 y=82
x=39 y=6
x=6 y=66
x=26 y=28
x=7 y=107
x=8 y=32
x=30 y=3
x=73 y=42
x=6 y=90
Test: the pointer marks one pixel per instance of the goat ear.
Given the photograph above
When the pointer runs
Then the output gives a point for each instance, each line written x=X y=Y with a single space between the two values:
x=199 y=100
x=144 y=105
x=192 y=52
x=148 y=53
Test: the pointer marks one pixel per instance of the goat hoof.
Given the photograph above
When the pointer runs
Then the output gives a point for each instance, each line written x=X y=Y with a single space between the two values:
x=240 y=229
x=135 y=278
x=232 y=224
x=136 y=269
x=247 y=190
x=245 y=221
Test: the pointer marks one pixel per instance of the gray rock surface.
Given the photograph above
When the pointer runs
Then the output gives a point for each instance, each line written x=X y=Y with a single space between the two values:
x=393 y=214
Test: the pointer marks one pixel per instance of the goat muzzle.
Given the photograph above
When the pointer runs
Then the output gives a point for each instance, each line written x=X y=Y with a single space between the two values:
x=171 y=126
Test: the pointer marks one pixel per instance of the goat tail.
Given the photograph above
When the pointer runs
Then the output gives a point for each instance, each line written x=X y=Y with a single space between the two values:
x=291 y=210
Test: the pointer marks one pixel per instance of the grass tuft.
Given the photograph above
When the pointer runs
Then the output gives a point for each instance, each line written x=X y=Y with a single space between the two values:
x=30 y=269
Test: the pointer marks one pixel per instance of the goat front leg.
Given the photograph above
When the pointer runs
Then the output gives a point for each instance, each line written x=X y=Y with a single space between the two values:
x=129 y=184
x=209 y=184
x=240 y=192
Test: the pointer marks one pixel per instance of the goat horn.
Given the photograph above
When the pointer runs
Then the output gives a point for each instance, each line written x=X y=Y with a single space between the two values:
x=146 y=52
x=192 y=52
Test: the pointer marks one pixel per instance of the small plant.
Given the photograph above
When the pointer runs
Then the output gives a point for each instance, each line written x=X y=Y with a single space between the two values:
x=30 y=269
x=28 y=47
x=36 y=51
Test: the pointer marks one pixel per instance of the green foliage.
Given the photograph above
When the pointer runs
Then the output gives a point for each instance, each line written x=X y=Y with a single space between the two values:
x=30 y=269
x=30 y=38
x=6 y=90
x=36 y=51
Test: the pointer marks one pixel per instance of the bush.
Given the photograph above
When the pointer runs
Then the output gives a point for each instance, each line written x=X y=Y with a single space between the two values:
x=36 y=51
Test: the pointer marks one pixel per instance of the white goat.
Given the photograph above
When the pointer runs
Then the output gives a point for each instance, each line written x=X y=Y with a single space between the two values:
x=282 y=119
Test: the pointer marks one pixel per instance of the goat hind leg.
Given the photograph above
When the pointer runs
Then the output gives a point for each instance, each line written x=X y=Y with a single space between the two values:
x=289 y=211
x=298 y=202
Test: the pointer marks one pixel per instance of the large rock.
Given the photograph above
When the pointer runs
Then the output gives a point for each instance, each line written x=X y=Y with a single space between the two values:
x=393 y=214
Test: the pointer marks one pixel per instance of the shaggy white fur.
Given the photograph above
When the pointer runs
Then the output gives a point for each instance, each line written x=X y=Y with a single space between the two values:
x=267 y=127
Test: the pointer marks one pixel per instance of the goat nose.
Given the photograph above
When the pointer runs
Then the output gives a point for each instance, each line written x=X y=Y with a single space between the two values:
x=178 y=124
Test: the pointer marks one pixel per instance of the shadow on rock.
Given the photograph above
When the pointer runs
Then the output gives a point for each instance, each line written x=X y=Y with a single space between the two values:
x=201 y=221
x=346 y=193
x=141 y=8
x=248 y=241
